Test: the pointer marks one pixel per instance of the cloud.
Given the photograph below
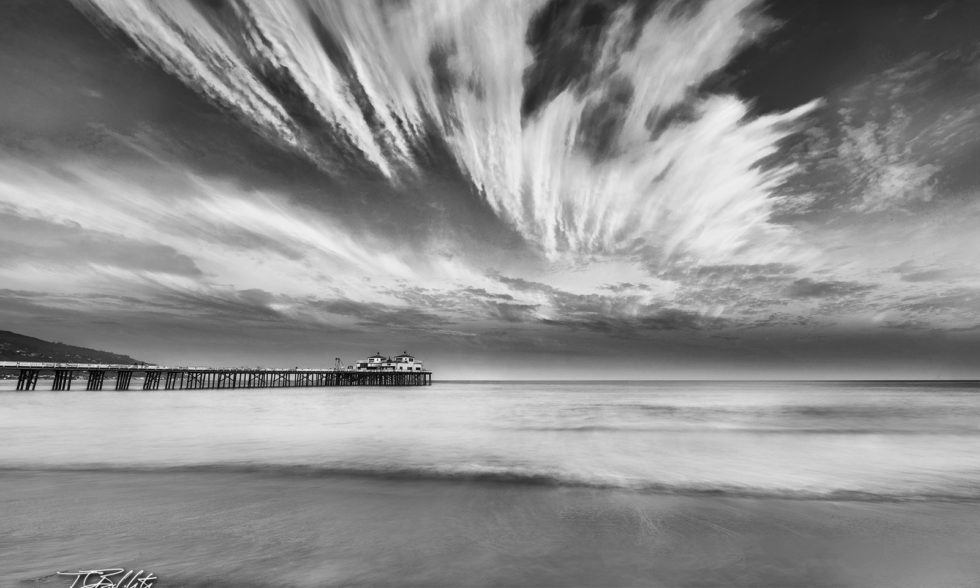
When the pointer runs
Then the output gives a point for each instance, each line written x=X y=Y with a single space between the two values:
x=664 y=319
x=525 y=285
x=927 y=275
x=483 y=293
x=592 y=159
x=672 y=318
x=883 y=169
x=808 y=288
x=509 y=177
x=512 y=313
x=70 y=245
x=895 y=142
x=387 y=316
x=218 y=227
x=625 y=287
x=960 y=299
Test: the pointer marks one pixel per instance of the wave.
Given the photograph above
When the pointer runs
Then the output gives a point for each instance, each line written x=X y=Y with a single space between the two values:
x=850 y=410
x=513 y=476
x=703 y=430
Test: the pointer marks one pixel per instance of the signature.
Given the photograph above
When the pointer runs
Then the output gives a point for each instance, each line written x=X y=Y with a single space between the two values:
x=111 y=578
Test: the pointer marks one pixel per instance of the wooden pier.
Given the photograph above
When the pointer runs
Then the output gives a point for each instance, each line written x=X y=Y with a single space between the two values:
x=206 y=378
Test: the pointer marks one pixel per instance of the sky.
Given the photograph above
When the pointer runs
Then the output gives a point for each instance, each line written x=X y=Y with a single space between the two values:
x=595 y=189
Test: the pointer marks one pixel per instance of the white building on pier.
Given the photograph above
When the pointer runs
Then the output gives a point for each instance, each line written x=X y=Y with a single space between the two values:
x=401 y=363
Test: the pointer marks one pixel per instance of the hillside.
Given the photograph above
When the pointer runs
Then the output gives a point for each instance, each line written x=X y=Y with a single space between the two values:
x=16 y=347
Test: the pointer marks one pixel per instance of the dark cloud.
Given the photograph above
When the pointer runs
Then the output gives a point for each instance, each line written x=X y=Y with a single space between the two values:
x=624 y=287
x=665 y=319
x=907 y=324
x=960 y=299
x=671 y=319
x=950 y=273
x=808 y=288
x=483 y=293
x=731 y=272
x=605 y=313
x=373 y=314
x=512 y=313
x=525 y=285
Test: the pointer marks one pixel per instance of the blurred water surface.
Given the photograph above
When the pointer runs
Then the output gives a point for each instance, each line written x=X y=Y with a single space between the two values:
x=806 y=439
x=498 y=484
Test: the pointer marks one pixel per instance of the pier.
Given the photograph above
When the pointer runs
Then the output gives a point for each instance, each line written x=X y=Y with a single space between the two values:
x=206 y=378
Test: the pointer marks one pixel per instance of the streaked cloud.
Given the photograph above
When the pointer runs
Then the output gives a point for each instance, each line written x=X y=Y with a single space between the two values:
x=485 y=179
x=353 y=83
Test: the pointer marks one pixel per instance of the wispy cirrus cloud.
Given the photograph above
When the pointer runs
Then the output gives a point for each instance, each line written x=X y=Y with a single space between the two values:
x=898 y=140
x=376 y=84
x=228 y=233
x=548 y=177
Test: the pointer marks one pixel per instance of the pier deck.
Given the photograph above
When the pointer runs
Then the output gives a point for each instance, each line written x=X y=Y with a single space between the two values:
x=203 y=378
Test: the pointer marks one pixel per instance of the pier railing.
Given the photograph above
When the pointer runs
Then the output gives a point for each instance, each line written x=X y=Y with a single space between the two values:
x=156 y=377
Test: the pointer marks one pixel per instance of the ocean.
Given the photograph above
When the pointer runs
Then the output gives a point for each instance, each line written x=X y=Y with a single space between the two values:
x=497 y=484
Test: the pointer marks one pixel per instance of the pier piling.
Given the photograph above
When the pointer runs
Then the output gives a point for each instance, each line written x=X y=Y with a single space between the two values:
x=27 y=379
x=151 y=381
x=200 y=378
x=123 y=378
x=173 y=380
x=62 y=380
x=95 y=380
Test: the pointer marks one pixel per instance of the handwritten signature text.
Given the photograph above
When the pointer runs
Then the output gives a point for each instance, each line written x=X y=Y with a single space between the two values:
x=111 y=578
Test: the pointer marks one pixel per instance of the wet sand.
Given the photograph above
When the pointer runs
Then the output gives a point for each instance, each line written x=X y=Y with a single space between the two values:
x=256 y=529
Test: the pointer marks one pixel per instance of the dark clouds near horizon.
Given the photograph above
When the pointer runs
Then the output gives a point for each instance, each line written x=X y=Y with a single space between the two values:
x=528 y=189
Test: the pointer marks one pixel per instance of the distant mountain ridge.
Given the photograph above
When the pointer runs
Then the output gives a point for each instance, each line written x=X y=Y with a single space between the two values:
x=17 y=347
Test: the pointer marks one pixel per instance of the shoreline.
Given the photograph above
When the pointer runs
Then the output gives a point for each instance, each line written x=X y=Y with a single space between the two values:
x=234 y=529
x=488 y=478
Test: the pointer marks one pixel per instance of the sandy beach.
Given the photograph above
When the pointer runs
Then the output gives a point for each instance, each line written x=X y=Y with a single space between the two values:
x=250 y=529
